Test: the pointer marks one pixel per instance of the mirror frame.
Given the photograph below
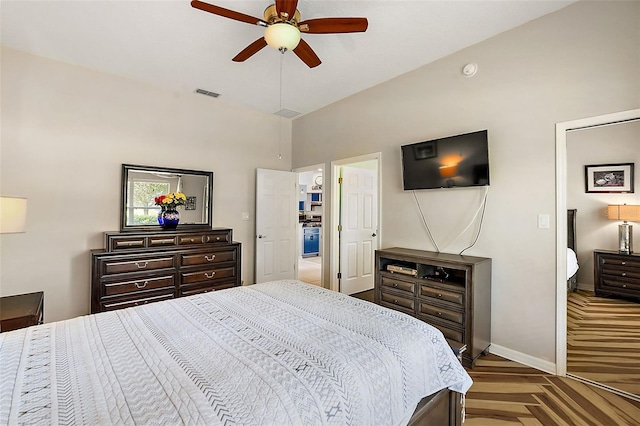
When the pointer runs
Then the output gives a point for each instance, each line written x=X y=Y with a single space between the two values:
x=187 y=226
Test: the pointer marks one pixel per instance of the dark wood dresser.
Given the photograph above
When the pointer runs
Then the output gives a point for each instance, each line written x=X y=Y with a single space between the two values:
x=449 y=291
x=21 y=310
x=616 y=274
x=139 y=268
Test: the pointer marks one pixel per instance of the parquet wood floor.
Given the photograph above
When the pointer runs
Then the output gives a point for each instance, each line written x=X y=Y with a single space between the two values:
x=505 y=392
x=603 y=340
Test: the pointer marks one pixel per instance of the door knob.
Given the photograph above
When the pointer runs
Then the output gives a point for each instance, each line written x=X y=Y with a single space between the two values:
x=262 y=236
x=374 y=234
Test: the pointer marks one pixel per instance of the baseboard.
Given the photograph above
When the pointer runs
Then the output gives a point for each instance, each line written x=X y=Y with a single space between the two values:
x=528 y=360
x=585 y=287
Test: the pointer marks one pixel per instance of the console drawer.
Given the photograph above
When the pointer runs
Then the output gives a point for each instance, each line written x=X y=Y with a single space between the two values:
x=442 y=313
x=440 y=294
x=398 y=301
x=451 y=333
x=398 y=285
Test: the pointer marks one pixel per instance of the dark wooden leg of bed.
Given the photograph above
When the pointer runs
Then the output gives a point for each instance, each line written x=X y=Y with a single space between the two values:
x=441 y=408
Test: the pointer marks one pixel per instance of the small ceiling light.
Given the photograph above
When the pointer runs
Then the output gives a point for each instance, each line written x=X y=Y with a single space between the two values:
x=282 y=36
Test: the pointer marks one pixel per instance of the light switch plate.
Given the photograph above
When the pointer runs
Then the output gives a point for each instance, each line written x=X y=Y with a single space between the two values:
x=245 y=215
x=544 y=221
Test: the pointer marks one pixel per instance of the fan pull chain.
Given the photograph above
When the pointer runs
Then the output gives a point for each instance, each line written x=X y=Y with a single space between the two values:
x=280 y=106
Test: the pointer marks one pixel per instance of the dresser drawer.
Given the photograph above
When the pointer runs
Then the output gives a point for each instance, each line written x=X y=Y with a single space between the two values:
x=140 y=285
x=208 y=257
x=393 y=301
x=209 y=237
x=127 y=243
x=441 y=313
x=208 y=275
x=162 y=241
x=621 y=272
x=121 y=266
x=112 y=305
x=398 y=285
x=440 y=294
x=191 y=290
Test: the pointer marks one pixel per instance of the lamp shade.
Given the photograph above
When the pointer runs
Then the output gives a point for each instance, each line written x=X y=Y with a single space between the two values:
x=13 y=215
x=282 y=35
x=624 y=212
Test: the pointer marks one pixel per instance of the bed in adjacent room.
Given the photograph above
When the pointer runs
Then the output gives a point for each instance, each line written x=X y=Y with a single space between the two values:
x=276 y=353
x=572 y=258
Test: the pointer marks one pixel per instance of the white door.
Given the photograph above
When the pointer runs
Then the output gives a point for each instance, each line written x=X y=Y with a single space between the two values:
x=276 y=225
x=359 y=221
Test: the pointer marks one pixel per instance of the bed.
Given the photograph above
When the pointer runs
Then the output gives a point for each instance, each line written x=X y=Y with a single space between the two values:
x=276 y=353
x=572 y=258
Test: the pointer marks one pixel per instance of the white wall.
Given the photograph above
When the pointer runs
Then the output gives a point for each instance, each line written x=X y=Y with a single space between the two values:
x=581 y=61
x=62 y=124
x=614 y=144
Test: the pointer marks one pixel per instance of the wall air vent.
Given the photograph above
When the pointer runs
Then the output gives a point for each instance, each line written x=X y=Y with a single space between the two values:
x=208 y=93
x=287 y=113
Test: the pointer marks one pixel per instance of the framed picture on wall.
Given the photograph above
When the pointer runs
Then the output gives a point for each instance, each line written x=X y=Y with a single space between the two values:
x=609 y=178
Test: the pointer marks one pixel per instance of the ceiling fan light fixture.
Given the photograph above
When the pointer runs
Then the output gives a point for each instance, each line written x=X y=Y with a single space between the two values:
x=281 y=35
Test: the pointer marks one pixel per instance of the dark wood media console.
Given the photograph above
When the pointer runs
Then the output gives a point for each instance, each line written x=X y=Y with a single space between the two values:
x=449 y=291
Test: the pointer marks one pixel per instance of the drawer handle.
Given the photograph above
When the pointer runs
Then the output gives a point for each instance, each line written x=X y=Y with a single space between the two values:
x=210 y=258
x=209 y=275
x=142 y=265
x=217 y=238
x=143 y=285
x=131 y=243
x=624 y=274
x=395 y=285
x=624 y=286
x=395 y=301
x=439 y=314
x=205 y=239
x=191 y=240
x=623 y=263
x=439 y=294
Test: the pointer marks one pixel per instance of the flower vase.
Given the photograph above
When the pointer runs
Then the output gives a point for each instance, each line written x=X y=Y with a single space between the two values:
x=160 y=213
x=170 y=218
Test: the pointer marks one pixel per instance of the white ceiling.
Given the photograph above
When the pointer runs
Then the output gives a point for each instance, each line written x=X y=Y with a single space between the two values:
x=171 y=44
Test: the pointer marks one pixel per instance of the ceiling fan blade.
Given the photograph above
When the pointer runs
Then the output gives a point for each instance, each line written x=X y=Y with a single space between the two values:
x=221 y=11
x=286 y=6
x=250 y=50
x=334 y=25
x=306 y=54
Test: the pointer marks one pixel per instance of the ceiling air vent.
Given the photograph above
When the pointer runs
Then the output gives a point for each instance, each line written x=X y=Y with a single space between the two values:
x=208 y=93
x=287 y=113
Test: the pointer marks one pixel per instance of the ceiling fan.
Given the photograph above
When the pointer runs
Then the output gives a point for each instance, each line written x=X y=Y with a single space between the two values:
x=283 y=27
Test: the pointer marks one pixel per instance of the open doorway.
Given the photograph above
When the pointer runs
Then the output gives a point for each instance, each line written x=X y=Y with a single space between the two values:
x=310 y=224
x=356 y=210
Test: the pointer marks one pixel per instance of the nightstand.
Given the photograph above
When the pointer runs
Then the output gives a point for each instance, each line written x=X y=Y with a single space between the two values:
x=22 y=310
x=616 y=274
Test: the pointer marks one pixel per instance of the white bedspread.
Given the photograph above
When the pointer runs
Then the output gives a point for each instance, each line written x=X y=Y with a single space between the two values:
x=272 y=354
x=572 y=263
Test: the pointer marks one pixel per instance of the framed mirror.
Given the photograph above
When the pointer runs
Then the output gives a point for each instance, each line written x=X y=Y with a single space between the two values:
x=142 y=184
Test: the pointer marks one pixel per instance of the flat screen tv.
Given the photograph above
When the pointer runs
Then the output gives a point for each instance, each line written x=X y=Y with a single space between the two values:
x=451 y=162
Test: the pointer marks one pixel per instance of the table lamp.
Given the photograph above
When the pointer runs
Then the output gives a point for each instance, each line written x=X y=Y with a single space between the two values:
x=625 y=231
x=13 y=215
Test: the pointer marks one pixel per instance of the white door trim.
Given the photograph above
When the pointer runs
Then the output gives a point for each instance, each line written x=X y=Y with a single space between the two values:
x=335 y=211
x=561 y=222
x=314 y=168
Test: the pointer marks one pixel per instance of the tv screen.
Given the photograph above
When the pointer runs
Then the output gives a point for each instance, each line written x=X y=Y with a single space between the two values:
x=454 y=161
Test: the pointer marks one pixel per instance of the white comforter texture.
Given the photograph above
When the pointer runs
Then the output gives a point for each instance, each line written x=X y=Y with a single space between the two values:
x=279 y=353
